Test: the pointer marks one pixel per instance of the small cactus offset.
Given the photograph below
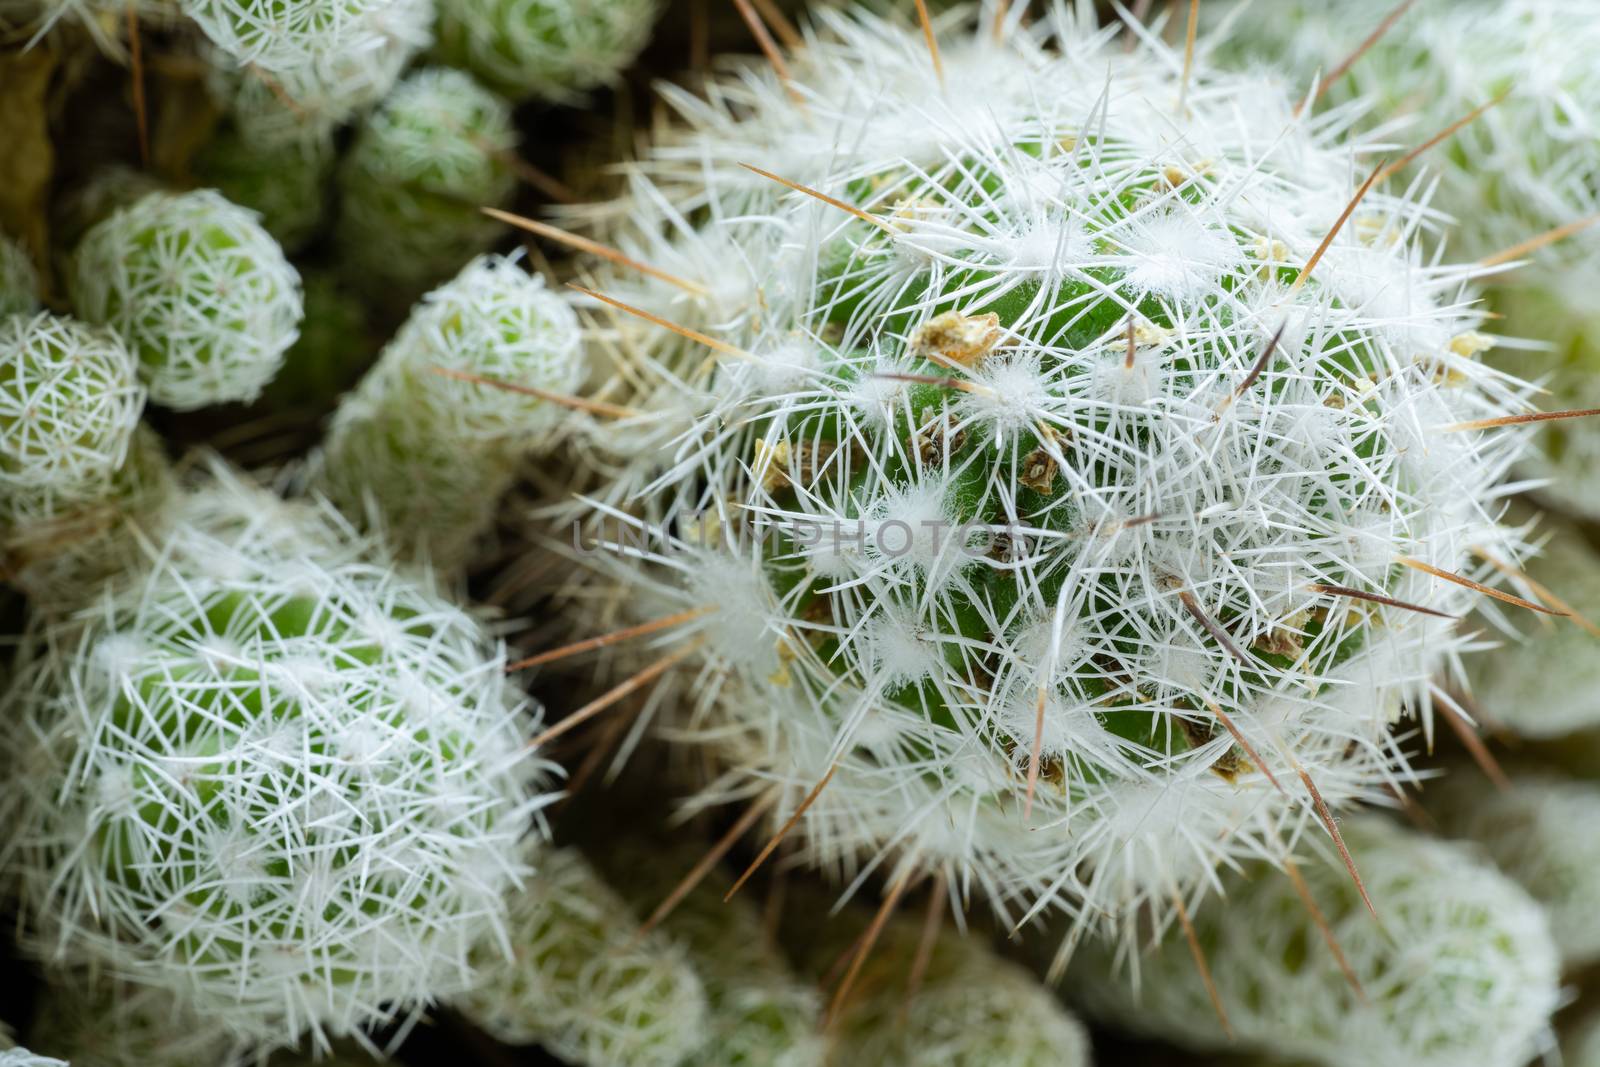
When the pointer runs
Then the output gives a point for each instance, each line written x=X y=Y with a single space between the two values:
x=433 y=453
x=550 y=49
x=78 y=476
x=200 y=292
x=277 y=780
x=422 y=165
x=1062 y=479
x=572 y=974
x=1458 y=970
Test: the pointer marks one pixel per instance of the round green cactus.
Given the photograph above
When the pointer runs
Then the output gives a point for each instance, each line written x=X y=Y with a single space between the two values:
x=267 y=773
x=286 y=182
x=551 y=49
x=198 y=289
x=411 y=187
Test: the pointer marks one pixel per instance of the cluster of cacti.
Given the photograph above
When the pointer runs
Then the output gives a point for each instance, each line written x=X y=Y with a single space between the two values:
x=1024 y=480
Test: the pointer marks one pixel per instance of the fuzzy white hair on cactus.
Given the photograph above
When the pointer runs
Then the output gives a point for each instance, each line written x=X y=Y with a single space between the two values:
x=1201 y=459
x=270 y=774
x=1462 y=969
x=433 y=435
x=570 y=972
x=289 y=36
x=197 y=288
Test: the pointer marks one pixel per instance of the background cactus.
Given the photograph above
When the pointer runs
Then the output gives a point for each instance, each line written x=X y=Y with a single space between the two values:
x=572 y=975
x=281 y=782
x=199 y=291
x=1536 y=832
x=1535 y=684
x=99 y=1021
x=421 y=166
x=551 y=49
x=19 y=281
x=434 y=453
x=1458 y=967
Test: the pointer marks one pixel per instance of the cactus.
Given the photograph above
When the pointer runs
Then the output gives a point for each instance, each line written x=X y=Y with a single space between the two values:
x=198 y=290
x=285 y=181
x=1536 y=685
x=70 y=399
x=759 y=1013
x=422 y=165
x=94 y=1021
x=435 y=453
x=948 y=1002
x=274 y=778
x=289 y=35
x=550 y=49
x=1522 y=168
x=1537 y=833
x=1460 y=972
x=19 y=281
x=1048 y=479
x=21 y=1057
x=77 y=477
x=572 y=976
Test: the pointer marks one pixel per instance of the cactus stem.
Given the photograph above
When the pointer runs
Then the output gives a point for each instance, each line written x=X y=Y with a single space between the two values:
x=831 y=201
x=1377 y=598
x=863 y=948
x=667 y=324
x=1450 y=130
x=1540 y=590
x=1538 y=241
x=1333 y=831
x=1521 y=420
x=769 y=48
x=577 y=647
x=1292 y=870
x=1460 y=722
x=1338 y=224
x=1353 y=58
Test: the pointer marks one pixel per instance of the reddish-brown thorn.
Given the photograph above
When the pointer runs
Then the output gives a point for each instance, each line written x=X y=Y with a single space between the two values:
x=783 y=831
x=864 y=949
x=616 y=693
x=769 y=48
x=577 y=403
x=1344 y=216
x=1533 y=244
x=584 y=244
x=1439 y=572
x=931 y=41
x=667 y=324
x=1456 y=717
x=1338 y=839
x=1349 y=61
x=1200 y=962
x=1033 y=756
x=831 y=201
x=1291 y=869
x=1244 y=743
x=1378 y=598
x=712 y=857
x=1465 y=120
x=1542 y=591
x=930 y=934
x=1192 y=606
x=579 y=647
x=1521 y=420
